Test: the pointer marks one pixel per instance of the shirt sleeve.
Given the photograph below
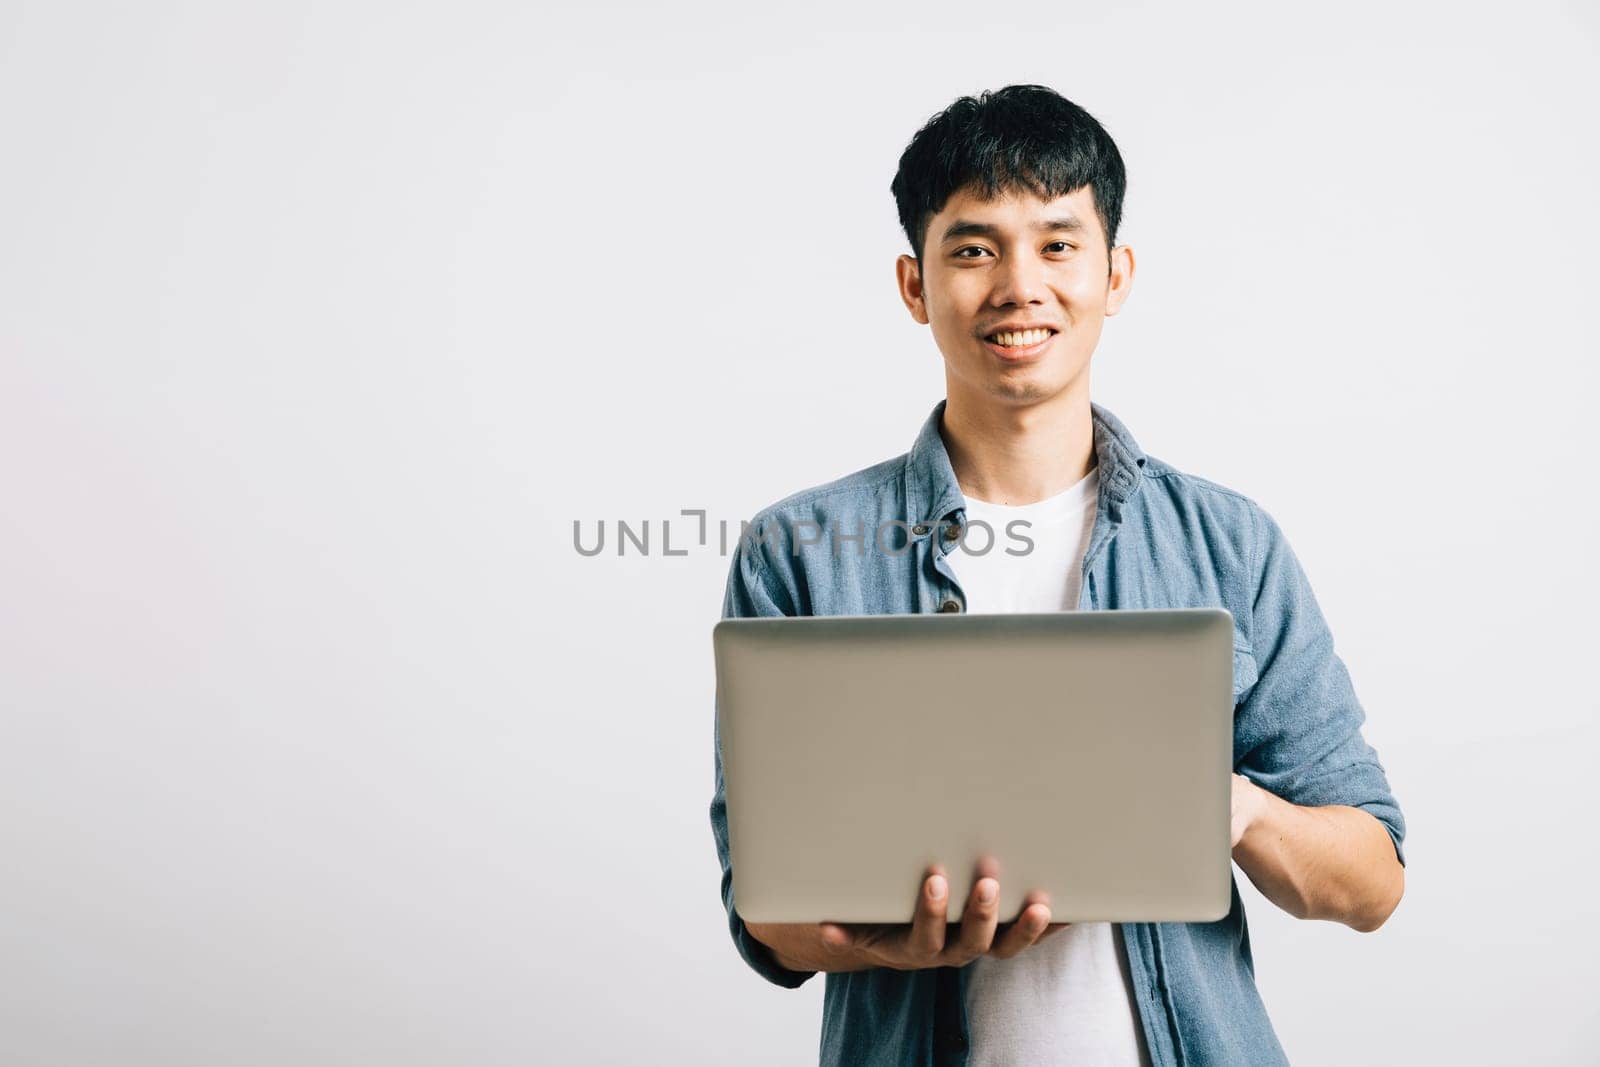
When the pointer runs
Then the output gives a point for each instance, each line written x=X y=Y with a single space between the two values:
x=1297 y=729
x=749 y=594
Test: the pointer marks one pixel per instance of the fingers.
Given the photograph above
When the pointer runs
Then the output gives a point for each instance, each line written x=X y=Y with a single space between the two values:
x=926 y=942
x=978 y=921
x=926 y=939
x=1032 y=925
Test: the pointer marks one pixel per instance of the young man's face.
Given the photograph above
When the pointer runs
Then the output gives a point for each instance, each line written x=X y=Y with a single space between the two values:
x=1018 y=261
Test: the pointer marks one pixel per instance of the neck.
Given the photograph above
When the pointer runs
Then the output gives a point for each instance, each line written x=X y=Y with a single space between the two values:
x=1019 y=454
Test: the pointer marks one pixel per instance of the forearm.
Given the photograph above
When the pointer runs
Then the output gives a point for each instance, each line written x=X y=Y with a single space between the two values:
x=1332 y=862
x=800 y=947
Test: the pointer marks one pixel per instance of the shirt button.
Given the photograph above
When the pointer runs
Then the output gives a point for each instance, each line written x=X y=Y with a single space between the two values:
x=919 y=529
x=950 y=605
x=952 y=532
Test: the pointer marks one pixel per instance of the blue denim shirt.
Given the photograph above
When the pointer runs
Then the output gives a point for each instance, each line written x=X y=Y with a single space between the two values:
x=1161 y=539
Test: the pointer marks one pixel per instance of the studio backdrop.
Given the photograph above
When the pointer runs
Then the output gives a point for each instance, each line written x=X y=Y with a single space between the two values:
x=331 y=333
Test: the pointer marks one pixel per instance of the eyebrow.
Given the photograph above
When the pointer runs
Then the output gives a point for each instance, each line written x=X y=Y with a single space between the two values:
x=967 y=228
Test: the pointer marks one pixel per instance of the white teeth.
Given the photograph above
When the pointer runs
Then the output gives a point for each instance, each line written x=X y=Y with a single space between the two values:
x=1019 y=338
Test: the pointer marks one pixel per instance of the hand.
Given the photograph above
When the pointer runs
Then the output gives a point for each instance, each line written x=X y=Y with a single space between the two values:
x=1249 y=800
x=926 y=942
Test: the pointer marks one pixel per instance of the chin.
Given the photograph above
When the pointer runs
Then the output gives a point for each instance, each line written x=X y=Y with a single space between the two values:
x=1022 y=391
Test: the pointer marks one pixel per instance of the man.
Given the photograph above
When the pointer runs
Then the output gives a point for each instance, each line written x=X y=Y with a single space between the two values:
x=1011 y=202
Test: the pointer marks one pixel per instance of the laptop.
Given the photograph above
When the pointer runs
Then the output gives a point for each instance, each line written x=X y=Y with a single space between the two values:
x=1089 y=753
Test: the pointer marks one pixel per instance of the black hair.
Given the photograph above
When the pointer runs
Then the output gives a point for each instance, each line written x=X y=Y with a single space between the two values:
x=1007 y=140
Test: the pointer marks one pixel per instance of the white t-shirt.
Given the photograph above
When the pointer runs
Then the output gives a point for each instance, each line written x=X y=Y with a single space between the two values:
x=1067 y=999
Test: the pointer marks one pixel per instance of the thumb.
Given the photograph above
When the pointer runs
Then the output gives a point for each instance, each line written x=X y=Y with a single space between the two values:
x=835 y=936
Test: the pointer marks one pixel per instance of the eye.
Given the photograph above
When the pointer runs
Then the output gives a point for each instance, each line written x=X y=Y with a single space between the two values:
x=960 y=252
x=1063 y=245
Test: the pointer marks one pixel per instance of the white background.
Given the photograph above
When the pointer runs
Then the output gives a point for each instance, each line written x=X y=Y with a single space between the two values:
x=322 y=323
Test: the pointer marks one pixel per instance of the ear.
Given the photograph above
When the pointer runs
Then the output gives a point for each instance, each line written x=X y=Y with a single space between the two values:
x=909 y=278
x=1120 y=282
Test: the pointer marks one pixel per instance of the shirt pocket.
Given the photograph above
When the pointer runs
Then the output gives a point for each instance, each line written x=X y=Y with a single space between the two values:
x=1244 y=667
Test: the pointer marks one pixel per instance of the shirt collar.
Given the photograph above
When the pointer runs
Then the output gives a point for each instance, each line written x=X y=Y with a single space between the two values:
x=932 y=492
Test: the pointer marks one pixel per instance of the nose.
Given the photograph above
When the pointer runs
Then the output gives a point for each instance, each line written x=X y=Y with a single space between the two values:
x=1019 y=281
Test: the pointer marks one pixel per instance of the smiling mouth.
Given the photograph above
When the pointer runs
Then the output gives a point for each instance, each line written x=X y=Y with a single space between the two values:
x=1019 y=342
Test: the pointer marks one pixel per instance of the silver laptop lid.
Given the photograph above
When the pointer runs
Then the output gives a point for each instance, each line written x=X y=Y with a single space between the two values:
x=1088 y=752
